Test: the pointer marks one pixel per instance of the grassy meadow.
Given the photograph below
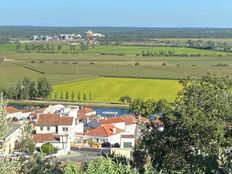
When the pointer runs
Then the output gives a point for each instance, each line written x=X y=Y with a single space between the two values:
x=111 y=89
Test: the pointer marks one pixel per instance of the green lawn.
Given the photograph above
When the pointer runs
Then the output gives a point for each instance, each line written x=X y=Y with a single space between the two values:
x=111 y=89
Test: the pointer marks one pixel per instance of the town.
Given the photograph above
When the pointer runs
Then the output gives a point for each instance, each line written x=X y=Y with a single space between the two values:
x=72 y=127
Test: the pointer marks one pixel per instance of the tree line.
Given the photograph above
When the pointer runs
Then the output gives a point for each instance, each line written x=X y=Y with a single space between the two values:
x=67 y=95
x=29 y=89
x=168 y=53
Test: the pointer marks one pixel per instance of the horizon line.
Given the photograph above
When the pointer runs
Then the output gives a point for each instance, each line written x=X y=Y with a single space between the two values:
x=102 y=26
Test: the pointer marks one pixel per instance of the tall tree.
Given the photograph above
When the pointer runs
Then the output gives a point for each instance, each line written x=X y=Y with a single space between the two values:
x=25 y=143
x=44 y=88
x=66 y=95
x=72 y=96
x=196 y=129
x=33 y=90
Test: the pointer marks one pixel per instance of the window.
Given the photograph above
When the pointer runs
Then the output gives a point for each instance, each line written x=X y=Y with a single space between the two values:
x=41 y=128
x=127 y=144
x=65 y=129
x=48 y=128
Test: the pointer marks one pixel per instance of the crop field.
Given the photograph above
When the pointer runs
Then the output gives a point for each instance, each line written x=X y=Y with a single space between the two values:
x=62 y=68
x=111 y=89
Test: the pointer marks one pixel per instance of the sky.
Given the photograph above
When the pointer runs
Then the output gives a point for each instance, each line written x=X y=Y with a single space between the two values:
x=118 y=13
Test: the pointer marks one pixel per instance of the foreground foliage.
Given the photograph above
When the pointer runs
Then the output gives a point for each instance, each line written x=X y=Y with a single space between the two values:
x=196 y=130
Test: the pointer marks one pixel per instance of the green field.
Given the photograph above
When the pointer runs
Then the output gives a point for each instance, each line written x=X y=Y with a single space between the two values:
x=111 y=89
x=62 y=68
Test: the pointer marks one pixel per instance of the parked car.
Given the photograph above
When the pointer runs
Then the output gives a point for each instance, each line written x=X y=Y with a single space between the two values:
x=17 y=155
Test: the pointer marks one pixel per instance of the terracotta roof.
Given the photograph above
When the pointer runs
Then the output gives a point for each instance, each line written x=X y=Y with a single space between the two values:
x=42 y=138
x=104 y=131
x=129 y=119
x=51 y=119
x=111 y=120
x=85 y=110
x=127 y=136
x=11 y=109
x=157 y=121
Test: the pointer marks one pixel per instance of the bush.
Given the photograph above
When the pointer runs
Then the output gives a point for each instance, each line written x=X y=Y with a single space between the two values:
x=164 y=64
x=41 y=61
x=137 y=64
x=48 y=149
x=33 y=61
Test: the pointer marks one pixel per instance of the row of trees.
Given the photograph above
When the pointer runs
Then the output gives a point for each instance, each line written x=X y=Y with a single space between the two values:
x=67 y=96
x=29 y=89
x=168 y=53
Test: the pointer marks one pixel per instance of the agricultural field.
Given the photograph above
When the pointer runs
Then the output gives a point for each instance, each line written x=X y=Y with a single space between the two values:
x=65 y=68
x=111 y=89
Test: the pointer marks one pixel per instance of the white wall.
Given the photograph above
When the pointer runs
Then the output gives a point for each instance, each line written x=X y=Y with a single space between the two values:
x=114 y=139
x=120 y=125
x=18 y=115
x=45 y=131
x=70 y=132
x=131 y=128
x=131 y=140
x=79 y=128
x=9 y=143
x=91 y=113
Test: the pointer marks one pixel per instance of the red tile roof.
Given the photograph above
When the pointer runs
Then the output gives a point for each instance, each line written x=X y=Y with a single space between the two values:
x=11 y=109
x=85 y=110
x=42 y=138
x=129 y=119
x=104 y=131
x=51 y=119
x=111 y=120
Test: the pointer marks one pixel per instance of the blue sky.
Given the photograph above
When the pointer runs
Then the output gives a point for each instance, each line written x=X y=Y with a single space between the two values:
x=130 y=13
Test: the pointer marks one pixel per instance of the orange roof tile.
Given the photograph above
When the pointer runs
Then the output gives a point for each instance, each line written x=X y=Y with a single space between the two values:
x=85 y=110
x=51 y=119
x=11 y=109
x=111 y=120
x=42 y=138
x=104 y=131
x=129 y=119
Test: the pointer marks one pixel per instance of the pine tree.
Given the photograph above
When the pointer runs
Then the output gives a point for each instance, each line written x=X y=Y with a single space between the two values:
x=72 y=95
x=66 y=95
x=79 y=96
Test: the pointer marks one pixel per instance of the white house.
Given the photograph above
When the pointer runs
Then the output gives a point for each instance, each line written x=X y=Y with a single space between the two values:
x=59 y=141
x=105 y=133
x=7 y=144
x=55 y=124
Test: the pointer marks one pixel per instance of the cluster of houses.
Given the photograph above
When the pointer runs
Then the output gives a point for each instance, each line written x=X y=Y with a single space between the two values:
x=66 y=126
x=67 y=37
